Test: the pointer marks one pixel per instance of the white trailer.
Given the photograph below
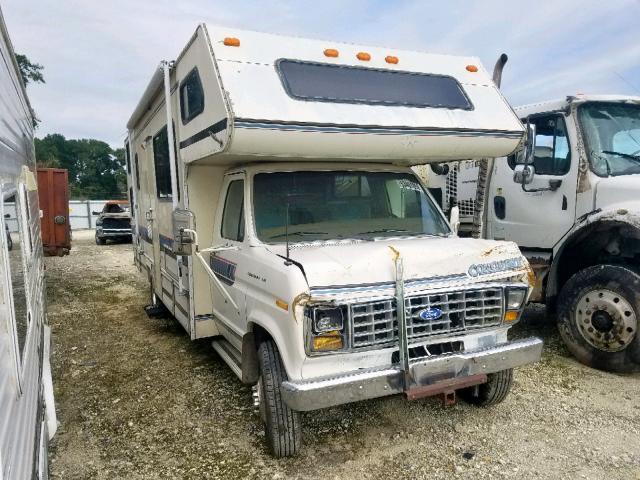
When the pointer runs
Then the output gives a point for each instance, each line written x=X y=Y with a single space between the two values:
x=278 y=215
x=27 y=413
x=574 y=212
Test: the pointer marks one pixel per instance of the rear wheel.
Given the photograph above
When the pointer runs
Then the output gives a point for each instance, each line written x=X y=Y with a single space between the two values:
x=598 y=312
x=494 y=391
x=283 y=426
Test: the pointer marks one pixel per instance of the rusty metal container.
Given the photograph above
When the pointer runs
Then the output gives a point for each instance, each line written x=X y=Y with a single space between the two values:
x=53 y=188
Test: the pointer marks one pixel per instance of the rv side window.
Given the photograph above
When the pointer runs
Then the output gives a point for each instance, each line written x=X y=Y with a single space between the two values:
x=16 y=266
x=233 y=214
x=126 y=157
x=324 y=82
x=161 y=162
x=137 y=170
x=191 y=97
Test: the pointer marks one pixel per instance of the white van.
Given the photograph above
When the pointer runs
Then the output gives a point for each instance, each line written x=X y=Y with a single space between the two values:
x=276 y=212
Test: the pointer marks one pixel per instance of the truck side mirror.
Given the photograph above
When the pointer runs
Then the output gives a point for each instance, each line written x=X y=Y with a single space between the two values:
x=183 y=226
x=7 y=215
x=523 y=174
x=95 y=213
x=454 y=219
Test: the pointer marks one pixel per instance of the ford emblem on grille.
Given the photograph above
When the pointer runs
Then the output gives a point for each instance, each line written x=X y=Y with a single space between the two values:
x=430 y=314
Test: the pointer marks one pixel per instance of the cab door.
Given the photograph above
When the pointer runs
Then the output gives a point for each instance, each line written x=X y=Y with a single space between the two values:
x=230 y=262
x=541 y=216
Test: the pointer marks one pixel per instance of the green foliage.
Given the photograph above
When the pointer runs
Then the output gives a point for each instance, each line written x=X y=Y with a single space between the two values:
x=31 y=72
x=96 y=171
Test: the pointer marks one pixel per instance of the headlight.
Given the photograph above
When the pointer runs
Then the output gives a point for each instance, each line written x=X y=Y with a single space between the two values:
x=514 y=298
x=326 y=329
x=327 y=319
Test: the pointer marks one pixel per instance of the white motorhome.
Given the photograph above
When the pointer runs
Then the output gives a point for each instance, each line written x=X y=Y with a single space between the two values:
x=574 y=210
x=27 y=413
x=278 y=215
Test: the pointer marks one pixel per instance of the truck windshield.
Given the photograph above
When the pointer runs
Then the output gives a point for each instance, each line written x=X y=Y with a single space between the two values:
x=612 y=137
x=342 y=204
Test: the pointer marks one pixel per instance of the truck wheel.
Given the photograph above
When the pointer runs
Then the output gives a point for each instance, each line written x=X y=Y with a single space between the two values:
x=598 y=311
x=494 y=391
x=100 y=240
x=283 y=426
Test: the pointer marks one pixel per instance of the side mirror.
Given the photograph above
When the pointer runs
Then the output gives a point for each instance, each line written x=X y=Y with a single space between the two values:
x=95 y=213
x=183 y=228
x=7 y=215
x=523 y=174
x=454 y=219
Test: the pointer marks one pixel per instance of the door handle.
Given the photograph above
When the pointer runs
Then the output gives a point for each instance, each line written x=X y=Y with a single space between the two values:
x=564 y=202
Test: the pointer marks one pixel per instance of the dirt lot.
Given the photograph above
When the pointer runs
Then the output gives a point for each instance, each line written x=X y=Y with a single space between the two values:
x=137 y=399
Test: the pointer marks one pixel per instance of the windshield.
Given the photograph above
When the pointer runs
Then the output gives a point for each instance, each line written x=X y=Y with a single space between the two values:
x=342 y=204
x=612 y=137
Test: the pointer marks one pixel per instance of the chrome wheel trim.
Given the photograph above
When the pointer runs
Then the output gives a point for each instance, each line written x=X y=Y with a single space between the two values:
x=606 y=320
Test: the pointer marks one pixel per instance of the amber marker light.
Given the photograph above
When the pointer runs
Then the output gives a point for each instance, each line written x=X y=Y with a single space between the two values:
x=472 y=68
x=331 y=52
x=510 y=316
x=282 y=304
x=328 y=341
x=391 y=59
x=364 y=56
x=231 y=42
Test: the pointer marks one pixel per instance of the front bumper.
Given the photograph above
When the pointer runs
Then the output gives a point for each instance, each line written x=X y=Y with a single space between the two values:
x=112 y=232
x=364 y=384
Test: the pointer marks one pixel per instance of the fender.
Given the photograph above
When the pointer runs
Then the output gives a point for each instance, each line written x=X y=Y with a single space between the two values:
x=626 y=217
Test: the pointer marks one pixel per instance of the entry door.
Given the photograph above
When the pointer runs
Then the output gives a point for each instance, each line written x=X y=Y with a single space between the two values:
x=145 y=190
x=230 y=266
x=541 y=218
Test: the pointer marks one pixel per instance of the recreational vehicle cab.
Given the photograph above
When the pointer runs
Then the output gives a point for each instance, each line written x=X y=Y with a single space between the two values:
x=276 y=212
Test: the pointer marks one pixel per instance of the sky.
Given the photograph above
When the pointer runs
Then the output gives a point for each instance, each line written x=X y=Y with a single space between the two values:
x=98 y=56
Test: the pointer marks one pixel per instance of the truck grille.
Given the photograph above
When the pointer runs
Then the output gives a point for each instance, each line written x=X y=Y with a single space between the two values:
x=376 y=323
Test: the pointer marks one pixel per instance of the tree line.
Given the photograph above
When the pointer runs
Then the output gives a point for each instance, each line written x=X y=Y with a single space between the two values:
x=96 y=171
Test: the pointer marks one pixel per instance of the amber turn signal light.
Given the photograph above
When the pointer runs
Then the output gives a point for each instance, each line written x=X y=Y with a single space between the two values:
x=364 y=56
x=331 y=52
x=510 y=316
x=472 y=68
x=391 y=59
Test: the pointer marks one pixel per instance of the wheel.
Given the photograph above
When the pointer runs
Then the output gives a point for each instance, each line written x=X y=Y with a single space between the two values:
x=598 y=311
x=100 y=240
x=283 y=426
x=494 y=391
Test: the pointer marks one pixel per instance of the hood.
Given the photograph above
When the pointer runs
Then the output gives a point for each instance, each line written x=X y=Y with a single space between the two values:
x=622 y=190
x=366 y=262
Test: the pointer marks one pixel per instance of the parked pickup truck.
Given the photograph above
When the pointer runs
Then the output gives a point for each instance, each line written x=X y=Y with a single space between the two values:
x=113 y=222
x=281 y=218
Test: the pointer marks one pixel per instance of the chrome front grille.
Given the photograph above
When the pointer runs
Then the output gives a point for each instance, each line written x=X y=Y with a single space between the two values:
x=375 y=323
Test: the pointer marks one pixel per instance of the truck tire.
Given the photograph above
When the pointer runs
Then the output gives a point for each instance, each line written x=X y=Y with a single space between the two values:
x=494 y=391
x=283 y=426
x=100 y=240
x=598 y=312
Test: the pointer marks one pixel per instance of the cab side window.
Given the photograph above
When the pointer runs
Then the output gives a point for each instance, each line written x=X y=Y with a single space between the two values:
x=552 y=154
x=233 y=214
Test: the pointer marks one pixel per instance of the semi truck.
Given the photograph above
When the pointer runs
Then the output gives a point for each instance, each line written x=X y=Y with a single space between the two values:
x=574 y=210
x=275 y=212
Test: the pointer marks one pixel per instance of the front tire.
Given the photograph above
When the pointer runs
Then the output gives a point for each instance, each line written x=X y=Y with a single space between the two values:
x=283 y=426
x=494 y=391
x=100 y=240
x=598 y=314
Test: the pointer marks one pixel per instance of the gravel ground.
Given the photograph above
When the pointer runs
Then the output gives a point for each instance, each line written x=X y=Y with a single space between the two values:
x=136 y=399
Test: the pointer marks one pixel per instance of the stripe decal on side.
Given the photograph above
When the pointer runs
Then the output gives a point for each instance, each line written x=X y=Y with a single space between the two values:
x=202 y=134
x=371 y=129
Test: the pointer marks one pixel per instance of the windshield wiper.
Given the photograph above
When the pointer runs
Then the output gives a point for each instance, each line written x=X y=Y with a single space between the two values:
x=623 y=155
x=280 y=235
x=386 y=230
